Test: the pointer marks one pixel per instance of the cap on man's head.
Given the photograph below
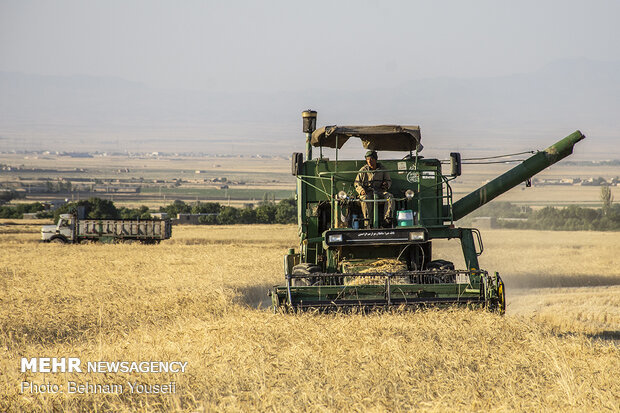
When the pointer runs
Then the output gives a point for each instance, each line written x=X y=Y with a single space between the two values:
x=371 y=154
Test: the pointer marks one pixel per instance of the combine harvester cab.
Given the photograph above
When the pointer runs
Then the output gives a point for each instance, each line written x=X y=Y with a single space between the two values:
x=347 y=261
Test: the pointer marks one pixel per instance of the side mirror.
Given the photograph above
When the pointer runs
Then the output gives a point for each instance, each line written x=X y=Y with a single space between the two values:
x=455 y=164
x=297 y=163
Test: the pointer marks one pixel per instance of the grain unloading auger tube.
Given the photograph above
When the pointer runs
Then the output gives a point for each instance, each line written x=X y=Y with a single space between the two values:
x=348 y=260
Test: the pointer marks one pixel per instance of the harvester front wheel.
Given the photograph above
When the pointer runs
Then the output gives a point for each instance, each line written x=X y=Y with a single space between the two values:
x=501 y=292
x=305 y=270
x=440 y=265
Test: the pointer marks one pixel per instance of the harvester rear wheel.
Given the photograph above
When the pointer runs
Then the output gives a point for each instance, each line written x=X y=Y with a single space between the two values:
x=304 y=269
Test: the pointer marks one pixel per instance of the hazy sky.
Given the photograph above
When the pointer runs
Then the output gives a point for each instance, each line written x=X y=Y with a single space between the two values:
x=293 y=45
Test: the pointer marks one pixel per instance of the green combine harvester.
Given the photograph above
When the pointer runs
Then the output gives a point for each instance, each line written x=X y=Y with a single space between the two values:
x=348 y=260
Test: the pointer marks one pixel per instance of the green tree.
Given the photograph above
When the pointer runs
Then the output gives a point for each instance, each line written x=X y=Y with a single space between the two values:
x=208 y=220
x=94 y=208
x=102 y=209
x=228 y=216
x=286 y=211
x=28 y=208
x=8 y=212
x=177 y=207
x=135 y=213
x=19 y=210
x=266 y=213
x=206 y=208
x=181 y=207
x=607 y=198
x=247 y=216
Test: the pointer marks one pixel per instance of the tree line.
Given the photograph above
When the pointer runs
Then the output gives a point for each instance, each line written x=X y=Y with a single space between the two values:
x=267 y=212
x=571 y=218
x=18 y=211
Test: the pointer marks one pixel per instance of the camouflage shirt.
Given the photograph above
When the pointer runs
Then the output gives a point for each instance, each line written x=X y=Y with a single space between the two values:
x=369 y=179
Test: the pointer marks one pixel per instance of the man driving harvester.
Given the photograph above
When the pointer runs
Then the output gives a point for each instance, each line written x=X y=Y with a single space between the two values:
x=374 y=179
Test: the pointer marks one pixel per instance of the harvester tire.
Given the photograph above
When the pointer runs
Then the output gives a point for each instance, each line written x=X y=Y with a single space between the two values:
x=306 y=269
x=58 y=240
x=440 y=265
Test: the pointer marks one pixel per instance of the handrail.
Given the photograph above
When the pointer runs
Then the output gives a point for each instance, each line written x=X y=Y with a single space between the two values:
x=314 y=186
x=423 y=193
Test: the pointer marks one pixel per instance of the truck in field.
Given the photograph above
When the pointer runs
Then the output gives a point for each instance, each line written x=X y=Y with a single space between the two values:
x=72 y=230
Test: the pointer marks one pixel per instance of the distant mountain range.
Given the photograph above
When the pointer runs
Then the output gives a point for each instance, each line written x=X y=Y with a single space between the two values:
x=515 y=112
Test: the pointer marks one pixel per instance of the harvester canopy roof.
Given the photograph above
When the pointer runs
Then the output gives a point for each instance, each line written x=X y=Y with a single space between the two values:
x=377 y=138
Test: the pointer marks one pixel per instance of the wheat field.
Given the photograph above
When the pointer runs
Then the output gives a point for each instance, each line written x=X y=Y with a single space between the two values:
x=200 y=298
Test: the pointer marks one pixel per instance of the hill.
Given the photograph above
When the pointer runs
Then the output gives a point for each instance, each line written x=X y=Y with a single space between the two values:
x=509 y=112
